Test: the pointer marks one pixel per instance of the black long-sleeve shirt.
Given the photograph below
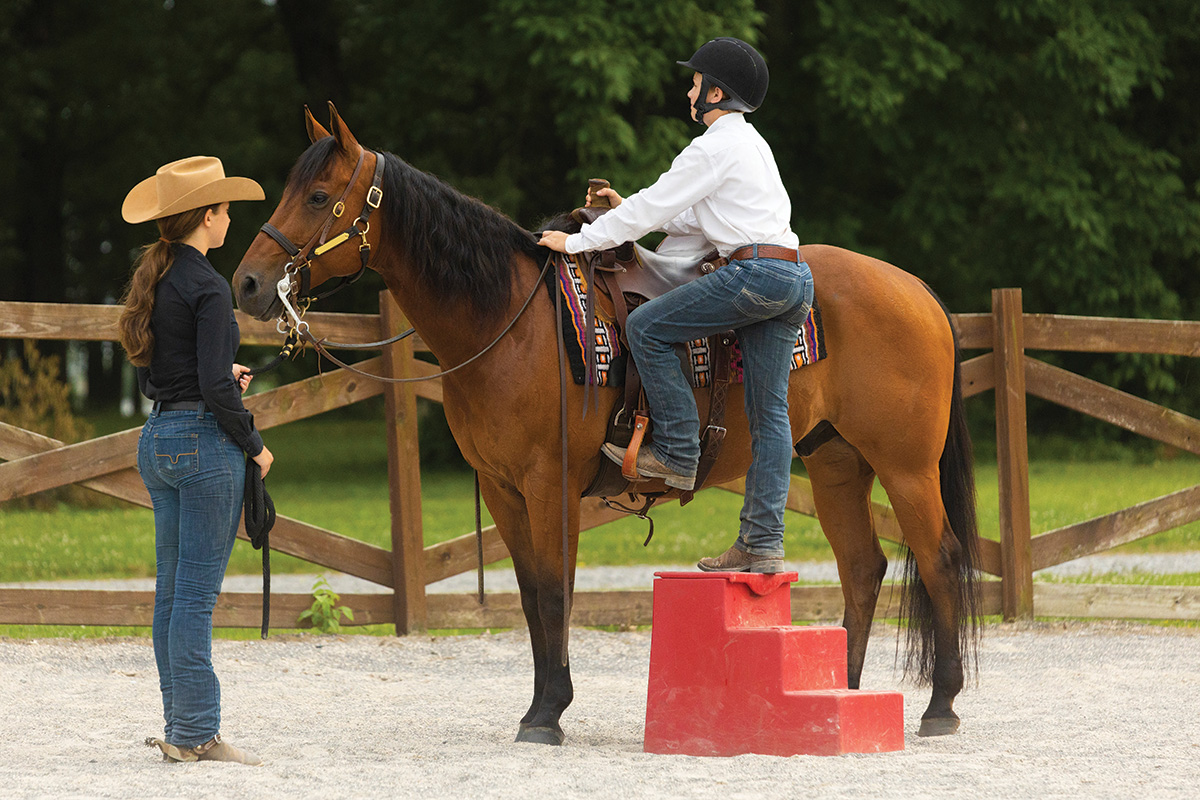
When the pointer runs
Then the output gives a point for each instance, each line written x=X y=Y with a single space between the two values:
x=195 y=339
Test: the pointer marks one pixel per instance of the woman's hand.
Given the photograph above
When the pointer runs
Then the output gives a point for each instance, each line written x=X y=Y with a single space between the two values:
x=555 y=240
x=242 y=376
x=264 y=460
x=614 y=199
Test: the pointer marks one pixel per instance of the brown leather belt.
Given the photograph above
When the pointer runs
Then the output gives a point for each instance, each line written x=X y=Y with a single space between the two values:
x=179 y=405
x=766 y=251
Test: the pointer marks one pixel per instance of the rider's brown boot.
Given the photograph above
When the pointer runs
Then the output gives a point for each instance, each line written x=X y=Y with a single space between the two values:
x=650 y=467
x=735 y=560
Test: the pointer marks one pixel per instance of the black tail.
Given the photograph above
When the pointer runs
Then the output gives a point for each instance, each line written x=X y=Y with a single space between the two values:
x=957 y=468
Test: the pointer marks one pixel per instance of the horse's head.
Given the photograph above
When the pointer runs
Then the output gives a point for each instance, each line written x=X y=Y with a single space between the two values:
x=320 y=223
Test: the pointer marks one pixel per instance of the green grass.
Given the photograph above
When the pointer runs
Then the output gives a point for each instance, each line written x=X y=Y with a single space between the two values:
x=333 y=473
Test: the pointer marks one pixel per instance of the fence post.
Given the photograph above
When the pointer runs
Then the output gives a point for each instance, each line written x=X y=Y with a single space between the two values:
x=1012 y=453
x=404 y=476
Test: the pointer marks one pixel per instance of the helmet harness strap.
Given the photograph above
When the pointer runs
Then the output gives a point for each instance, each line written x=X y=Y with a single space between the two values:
x=702 y=105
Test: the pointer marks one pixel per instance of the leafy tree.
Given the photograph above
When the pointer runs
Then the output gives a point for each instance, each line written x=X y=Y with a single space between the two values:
x=520 y=101
x=1046 y=145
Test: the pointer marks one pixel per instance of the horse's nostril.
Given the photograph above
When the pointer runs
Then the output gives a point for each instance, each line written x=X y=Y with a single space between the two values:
x=249 y=286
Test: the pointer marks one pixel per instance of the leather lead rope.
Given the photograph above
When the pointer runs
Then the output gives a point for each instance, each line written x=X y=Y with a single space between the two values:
x=479 y=535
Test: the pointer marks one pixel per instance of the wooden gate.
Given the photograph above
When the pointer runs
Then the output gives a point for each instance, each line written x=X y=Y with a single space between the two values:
x=35 y=463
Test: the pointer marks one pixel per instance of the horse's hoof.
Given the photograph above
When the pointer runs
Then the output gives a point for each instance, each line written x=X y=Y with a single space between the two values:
x=540 y=735
x=938 y=726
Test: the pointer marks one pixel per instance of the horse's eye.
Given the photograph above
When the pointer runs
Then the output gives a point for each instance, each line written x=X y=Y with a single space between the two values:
x=318 y=199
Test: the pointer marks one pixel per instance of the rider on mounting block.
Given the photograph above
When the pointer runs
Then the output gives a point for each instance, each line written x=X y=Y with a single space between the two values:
x=722 y=191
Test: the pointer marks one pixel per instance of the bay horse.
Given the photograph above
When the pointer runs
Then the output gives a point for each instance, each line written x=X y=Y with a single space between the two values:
x=885 y=402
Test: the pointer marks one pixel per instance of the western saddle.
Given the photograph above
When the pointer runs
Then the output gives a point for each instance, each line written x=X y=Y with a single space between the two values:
x=619 y=280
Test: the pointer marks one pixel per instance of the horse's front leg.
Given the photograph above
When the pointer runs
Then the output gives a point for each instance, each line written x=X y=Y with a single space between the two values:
x=553 y=612
x=512 y=522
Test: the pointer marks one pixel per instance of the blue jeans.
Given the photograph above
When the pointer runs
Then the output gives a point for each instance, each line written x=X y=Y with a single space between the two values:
x=765 y=300
x=195 y=474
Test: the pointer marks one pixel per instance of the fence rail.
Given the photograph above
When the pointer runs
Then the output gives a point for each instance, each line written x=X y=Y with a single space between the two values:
x=34 y=463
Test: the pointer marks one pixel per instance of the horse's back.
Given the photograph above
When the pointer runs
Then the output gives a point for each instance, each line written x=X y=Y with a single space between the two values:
x=873 y=297
x=887 y=380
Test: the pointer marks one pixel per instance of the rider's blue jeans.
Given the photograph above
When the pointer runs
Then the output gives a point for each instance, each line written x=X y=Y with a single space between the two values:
x=195 y=474
x=765 y=300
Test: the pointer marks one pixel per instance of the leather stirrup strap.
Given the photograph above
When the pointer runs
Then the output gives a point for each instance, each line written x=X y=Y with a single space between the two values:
x=591 y=392
x=629 y=466
x=633 y=380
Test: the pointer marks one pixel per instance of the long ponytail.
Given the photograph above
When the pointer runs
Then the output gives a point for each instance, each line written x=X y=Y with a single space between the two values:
x=135 y=331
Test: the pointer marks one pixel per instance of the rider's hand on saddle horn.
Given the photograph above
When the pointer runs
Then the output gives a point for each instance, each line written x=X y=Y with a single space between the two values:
x=604 y=191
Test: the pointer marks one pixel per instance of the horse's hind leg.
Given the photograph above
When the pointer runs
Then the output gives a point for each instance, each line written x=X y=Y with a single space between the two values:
x=841 y=484
x=917 y=502
x=512 y=522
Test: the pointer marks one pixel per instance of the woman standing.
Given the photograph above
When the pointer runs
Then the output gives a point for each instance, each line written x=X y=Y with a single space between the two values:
x=178 y=329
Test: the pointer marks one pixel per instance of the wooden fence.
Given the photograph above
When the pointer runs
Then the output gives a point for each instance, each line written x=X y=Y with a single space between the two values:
x=34 y=463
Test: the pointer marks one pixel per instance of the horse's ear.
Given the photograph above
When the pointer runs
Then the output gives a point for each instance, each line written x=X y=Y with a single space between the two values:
x=315 y=130
x=341 y=133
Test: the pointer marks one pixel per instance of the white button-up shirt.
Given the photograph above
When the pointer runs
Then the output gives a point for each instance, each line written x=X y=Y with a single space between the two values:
x=722 y=191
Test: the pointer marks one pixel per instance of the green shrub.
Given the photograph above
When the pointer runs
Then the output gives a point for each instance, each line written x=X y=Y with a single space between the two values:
x=325 y=614
x=35 y=398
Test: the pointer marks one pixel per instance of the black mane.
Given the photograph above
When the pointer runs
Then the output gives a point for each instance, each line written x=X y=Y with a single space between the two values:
x=460 y=247
x=560 y=222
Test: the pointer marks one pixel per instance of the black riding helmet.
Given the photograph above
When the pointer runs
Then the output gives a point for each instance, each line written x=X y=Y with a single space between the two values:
x=734 y=66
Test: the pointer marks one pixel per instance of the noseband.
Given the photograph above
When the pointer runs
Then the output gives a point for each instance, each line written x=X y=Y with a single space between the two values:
x=318 y=246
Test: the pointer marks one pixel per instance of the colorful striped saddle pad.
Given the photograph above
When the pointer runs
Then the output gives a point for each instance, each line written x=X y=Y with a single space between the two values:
x=611 y=353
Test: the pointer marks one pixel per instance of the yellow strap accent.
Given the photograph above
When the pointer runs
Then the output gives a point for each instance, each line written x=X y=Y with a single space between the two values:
x=332 y=243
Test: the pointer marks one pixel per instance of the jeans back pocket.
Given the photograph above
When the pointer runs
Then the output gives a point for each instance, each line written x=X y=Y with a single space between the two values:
x=177 y=454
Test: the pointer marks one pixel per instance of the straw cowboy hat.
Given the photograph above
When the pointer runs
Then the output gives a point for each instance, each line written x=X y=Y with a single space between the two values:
x=183 y=185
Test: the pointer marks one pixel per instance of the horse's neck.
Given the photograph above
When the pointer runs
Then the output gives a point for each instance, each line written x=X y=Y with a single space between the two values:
x=450 y=328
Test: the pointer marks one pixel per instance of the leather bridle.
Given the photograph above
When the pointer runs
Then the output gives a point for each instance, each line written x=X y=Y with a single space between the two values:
x=317 y=246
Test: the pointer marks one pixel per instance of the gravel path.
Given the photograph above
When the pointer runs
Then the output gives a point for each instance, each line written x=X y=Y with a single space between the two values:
x=1063 y=710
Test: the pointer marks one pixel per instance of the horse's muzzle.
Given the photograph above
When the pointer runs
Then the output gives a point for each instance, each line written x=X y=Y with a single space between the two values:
x=255 y=295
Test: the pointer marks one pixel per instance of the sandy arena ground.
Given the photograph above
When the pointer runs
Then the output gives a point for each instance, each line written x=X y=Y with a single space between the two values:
x=1065 y=710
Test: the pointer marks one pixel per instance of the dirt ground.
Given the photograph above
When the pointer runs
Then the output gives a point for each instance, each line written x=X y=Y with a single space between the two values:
x=1064 y=710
